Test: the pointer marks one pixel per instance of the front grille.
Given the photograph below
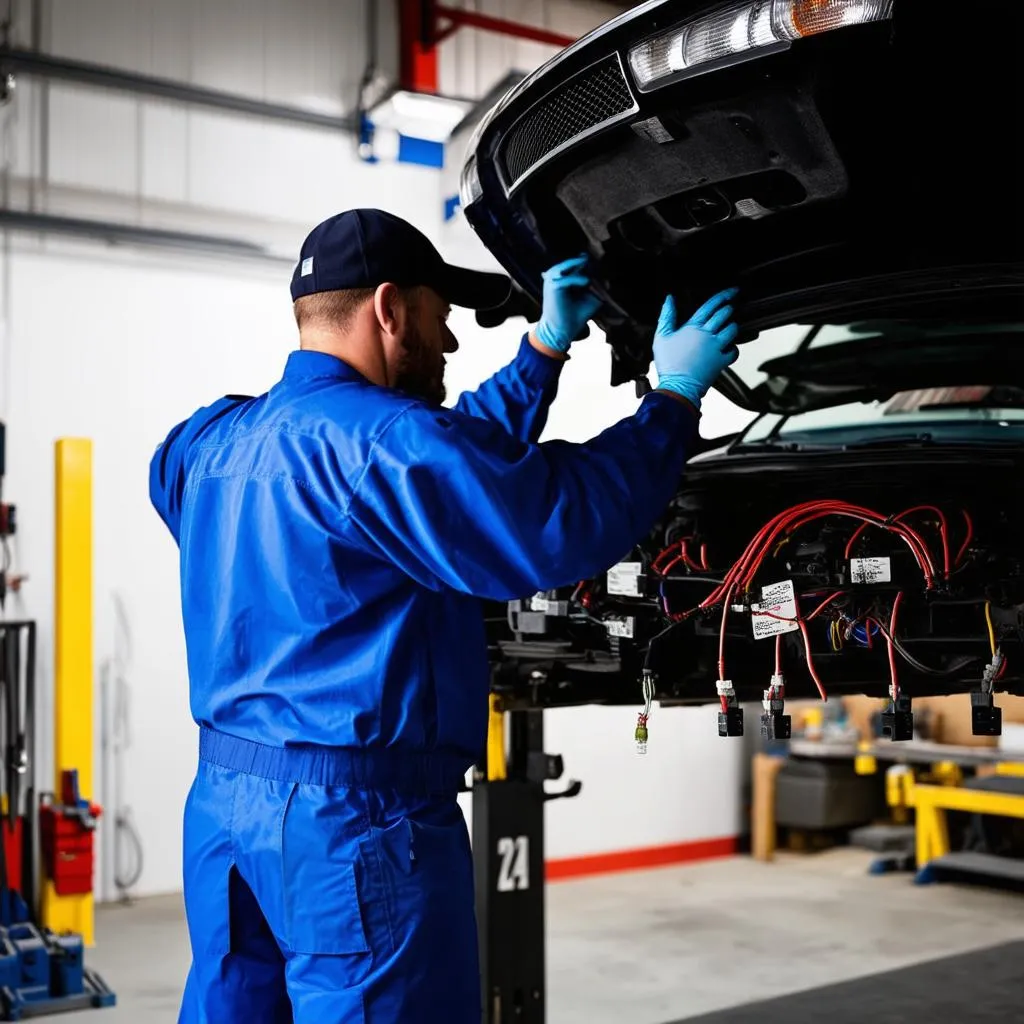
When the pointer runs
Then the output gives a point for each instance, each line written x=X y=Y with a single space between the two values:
x=590 y=99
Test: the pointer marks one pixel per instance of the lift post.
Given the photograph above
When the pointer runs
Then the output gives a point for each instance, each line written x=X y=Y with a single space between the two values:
x=508 y=855
x=72 y=656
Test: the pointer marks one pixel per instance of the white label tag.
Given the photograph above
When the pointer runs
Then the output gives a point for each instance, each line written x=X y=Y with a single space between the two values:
x=620 y=627
x=307 y=267
x=623 y=579
x=870 y=570
x=539 y=603
x=514 y=870
x=778 y=599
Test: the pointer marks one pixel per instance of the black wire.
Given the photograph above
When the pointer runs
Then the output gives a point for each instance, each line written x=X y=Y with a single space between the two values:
x=957 y=666
x=654 y=639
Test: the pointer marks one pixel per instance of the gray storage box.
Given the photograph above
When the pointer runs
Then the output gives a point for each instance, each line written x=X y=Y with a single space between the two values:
x=826 y=795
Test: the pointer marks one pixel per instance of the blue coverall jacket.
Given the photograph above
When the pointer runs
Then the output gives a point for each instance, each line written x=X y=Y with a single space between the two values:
x=335 y=537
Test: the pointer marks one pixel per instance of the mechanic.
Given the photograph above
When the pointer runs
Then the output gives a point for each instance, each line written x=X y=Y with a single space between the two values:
x=335 y=536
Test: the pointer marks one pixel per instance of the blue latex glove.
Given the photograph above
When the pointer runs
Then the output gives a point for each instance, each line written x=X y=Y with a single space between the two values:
x=690 y=358
x=567 y=304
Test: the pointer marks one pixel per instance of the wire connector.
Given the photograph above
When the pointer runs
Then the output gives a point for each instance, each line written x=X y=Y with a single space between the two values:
x=730 y=718
x=640 y=732
x=898 y=720
x=992 y=671
x=775 y=723
x=986 y=718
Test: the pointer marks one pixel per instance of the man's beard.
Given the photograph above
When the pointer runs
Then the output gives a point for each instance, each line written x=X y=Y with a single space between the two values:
x=419 y=374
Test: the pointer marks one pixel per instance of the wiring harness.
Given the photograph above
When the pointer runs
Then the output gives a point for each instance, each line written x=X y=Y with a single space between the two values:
x=855 y=616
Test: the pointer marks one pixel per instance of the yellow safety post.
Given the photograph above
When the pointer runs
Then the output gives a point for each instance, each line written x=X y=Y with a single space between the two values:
x=497 y=766
x=73 y=666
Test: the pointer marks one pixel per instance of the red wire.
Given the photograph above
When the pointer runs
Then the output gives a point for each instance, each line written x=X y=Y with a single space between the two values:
x=943 y=531
x=721 y=637
x=821 y=607
x=895 y=685
x=743 y=571
x=810 y=661
x=683 y=556
x=778 y=639
x=791 y=519
x=664 y=554
x=704 y=557
x=967 y=540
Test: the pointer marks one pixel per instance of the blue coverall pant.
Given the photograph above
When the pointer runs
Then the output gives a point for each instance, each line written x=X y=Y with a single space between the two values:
x=328 y=887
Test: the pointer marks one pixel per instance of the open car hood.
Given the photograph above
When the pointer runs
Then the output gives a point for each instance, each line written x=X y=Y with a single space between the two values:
x=872 y=172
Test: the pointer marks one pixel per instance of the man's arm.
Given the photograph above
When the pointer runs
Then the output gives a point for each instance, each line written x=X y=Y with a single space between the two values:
x=167 y=468
x=457 y=502
x=519 y=396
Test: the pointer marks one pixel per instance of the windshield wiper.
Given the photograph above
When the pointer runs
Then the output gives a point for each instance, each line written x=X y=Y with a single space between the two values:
x=923 y=438
x=779 y=445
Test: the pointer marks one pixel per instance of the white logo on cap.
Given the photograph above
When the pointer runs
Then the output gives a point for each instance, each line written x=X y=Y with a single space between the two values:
x=307 y=266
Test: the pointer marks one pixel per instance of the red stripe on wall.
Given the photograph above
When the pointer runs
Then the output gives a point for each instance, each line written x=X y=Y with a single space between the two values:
x=634 y=860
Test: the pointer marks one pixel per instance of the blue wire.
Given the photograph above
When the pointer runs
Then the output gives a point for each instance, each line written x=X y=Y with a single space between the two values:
x=860 y=633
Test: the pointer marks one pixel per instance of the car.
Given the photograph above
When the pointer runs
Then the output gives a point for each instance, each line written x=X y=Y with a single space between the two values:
x=853 y=166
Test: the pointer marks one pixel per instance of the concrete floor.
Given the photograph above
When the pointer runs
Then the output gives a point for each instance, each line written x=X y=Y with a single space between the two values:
x=663 y=945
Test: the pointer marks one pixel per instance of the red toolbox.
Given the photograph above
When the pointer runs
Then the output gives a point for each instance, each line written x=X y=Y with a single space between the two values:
x=67 y=831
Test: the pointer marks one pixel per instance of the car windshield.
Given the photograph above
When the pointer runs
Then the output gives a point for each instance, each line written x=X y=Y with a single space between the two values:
x=973 y=410
x=785 y=341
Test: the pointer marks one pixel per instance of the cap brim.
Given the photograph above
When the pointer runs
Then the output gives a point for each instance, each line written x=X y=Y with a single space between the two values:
x=475 y=289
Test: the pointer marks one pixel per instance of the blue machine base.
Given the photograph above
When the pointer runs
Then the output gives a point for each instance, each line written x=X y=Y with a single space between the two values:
x=44 y=973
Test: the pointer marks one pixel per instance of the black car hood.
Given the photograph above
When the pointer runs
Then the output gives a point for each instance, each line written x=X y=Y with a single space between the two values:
x=871 y=172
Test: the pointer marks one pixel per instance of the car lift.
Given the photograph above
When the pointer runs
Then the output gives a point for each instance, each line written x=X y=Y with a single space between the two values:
x=508 y=858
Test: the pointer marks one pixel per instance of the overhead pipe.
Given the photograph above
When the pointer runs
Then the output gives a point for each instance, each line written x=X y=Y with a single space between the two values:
x=112 y=232
x=458 y=18
x=423 y=24
x=43 y=65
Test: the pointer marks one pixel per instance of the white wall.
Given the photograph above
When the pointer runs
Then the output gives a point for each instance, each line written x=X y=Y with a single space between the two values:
x=118 y=344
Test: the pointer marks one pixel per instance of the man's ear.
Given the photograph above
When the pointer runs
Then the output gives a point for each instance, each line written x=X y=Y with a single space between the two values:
x=389 y=308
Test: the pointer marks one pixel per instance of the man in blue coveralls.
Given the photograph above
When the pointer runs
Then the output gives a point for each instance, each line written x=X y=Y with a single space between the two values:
x=336 y=534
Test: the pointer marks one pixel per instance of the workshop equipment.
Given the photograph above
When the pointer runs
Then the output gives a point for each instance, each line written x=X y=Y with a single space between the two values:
x=68 y=830
x=508 y=857
x=42 y=971
x=1001 y=794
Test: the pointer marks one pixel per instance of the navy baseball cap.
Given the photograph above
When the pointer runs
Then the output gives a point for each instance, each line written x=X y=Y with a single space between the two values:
x=366 y=248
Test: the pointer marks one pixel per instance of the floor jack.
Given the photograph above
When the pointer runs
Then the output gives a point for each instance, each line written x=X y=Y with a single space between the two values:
x=41 y=972
x=508 y=855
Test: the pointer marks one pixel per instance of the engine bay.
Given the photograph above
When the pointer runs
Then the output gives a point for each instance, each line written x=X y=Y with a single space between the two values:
x=892 y=574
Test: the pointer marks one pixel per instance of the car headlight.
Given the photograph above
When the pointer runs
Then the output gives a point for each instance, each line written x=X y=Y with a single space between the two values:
x=469 y=183
x=743 y=30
